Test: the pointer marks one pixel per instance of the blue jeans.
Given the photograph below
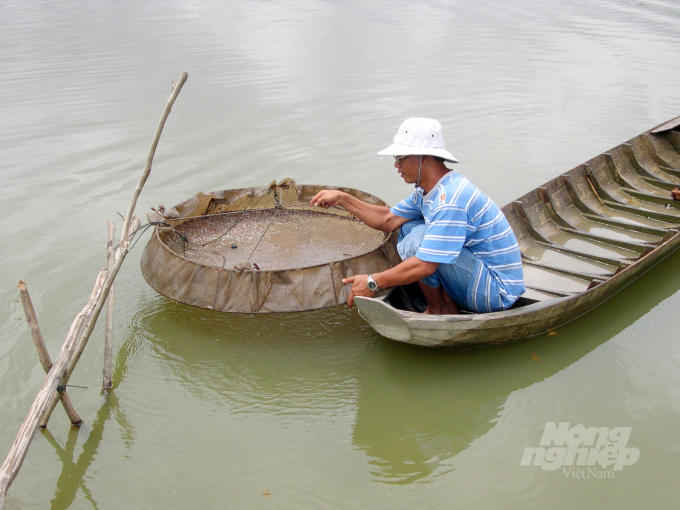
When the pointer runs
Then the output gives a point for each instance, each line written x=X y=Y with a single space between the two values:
x=455 y=278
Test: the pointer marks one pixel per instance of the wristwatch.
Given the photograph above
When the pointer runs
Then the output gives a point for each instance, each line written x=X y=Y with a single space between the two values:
x=370 y=283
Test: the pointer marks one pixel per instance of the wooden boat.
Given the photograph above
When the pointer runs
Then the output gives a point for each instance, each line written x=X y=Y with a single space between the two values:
x=584 y=236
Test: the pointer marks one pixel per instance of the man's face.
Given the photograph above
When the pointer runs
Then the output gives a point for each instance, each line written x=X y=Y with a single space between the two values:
x=408 y=168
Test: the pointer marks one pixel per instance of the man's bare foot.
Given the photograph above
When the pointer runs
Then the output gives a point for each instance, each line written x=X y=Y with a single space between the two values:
x=438 y=301
x=434 y=311
x=442 y=311
x=450 y=303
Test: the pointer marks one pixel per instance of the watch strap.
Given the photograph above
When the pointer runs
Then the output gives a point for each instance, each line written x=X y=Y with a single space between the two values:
x=371 y=283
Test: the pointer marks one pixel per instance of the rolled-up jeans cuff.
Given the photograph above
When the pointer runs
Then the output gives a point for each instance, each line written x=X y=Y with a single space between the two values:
x=432 y=280
x=407 y=254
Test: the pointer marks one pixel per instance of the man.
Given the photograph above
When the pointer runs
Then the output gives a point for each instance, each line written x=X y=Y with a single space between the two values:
x=454 y=241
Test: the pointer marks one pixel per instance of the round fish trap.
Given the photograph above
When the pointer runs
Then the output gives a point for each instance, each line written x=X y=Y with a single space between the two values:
x=259 y=250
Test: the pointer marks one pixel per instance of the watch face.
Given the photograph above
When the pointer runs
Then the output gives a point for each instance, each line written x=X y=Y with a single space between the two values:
x=372 y=285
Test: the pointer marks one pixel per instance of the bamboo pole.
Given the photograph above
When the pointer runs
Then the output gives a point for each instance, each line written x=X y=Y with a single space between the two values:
x=80 y=330
x=44 y=356
x=17 y=453
x=88 y=325
x=108 y=339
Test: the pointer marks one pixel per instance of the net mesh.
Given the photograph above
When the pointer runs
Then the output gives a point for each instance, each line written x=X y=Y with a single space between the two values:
x=259 y=250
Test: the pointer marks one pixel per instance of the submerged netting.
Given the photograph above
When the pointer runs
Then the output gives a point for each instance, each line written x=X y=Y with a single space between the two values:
x=264 y=249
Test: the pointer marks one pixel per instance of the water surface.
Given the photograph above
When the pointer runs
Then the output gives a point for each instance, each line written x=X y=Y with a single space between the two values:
x=315 y=410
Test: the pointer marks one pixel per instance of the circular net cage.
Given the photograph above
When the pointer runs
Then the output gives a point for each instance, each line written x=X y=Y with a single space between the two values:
x=264 y=249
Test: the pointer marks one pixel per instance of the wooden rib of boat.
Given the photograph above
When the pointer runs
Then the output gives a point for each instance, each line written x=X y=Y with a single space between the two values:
x=584 y=236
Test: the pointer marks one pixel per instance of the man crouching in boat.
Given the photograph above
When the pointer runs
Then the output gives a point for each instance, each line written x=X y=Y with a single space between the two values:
x=454 y=241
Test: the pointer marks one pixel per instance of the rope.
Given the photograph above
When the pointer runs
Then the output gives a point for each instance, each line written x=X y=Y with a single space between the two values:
x=247 y=208
x=263 y=233
x=184 y=248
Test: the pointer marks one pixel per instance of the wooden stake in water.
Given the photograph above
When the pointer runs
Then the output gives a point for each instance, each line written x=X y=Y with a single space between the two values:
x=108 y=339
x=44 y=356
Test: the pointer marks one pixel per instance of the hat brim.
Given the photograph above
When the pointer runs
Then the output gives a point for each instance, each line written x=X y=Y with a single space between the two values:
x=397 y=149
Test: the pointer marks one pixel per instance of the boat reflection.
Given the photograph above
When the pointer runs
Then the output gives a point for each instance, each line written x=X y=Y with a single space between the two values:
x=414 y=409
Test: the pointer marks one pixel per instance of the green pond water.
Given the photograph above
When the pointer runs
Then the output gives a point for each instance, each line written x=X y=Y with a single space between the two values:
x=316 y=410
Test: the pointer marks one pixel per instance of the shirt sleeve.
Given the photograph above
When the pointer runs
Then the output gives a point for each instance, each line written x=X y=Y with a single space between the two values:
x=407 y=208
x=445 y=235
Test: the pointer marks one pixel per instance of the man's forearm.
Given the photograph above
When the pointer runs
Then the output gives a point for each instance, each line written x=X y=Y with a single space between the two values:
x=374 y=216
x=411 y=270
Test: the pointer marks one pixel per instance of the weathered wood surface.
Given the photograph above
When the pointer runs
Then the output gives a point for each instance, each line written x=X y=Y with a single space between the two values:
x=44 y=356
x=108 y=337
x=19 y=449
x=81 y=328
x=616 y=207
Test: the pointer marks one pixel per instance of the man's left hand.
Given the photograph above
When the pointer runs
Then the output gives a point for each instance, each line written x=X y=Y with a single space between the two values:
x=359 y=287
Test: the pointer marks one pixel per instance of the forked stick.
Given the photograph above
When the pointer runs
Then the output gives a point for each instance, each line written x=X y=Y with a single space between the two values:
x=44 y=356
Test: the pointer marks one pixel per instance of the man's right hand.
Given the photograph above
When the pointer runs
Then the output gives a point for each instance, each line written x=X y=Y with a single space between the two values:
x=375 y=216
x=326 y=198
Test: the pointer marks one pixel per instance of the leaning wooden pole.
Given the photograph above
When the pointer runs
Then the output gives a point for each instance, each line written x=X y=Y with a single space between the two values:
x=89 y=314
x=44 y=356
x=108 y=336
x=80 y=330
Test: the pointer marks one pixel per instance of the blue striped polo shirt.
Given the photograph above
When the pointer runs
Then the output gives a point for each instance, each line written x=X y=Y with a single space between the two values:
x=457 y=215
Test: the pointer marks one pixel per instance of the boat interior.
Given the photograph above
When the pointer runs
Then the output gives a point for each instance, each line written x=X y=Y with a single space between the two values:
x=585 y=226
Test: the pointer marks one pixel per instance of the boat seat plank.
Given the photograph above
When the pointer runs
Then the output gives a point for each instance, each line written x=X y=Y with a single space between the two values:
x=645 y=159
x=601 y=185
x=559 y=258
x=655 y=232
x=630 y=175
x=619 y=195
x=629 y=245
x=545 y=278
x=576 y=274
x=665 y=186
x=672 y=220
x=624 y=213
x=664 y=147
x=670 y=170
x=537 y=295
x=673 y=138
x=588 y=256
x=669 y=156
x=603 y=214
x=649 y=197
x=552 y=293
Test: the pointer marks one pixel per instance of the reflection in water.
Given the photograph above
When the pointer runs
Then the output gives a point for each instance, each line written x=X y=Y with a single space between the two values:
x=288 y=364
x=73 y=474
x=414 y=408
x=418 y=408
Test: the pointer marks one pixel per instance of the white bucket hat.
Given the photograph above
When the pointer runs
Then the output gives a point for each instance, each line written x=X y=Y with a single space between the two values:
x=420 y=137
